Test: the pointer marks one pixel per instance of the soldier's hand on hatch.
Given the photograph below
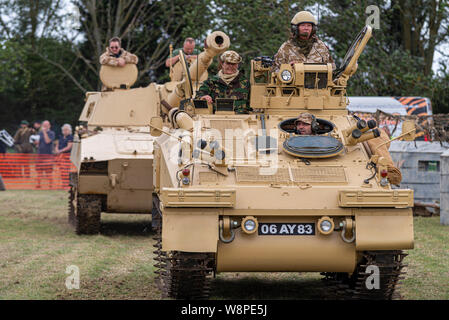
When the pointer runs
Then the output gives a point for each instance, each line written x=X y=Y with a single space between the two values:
x=294 y=62
x=207 y=98
x=121 y=62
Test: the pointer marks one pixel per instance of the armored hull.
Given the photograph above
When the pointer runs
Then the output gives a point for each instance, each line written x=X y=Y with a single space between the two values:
x=247 y=193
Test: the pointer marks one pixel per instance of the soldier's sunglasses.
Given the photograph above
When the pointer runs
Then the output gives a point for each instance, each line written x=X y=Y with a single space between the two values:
x=114 y=47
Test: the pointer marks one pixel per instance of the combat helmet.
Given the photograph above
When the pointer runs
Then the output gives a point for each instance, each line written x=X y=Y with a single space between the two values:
x=303 y=17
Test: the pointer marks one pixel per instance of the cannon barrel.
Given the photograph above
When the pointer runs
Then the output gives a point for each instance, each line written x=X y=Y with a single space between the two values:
x=217 y=42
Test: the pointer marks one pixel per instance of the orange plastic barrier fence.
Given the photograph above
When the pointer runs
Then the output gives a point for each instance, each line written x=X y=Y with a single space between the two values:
x=29 y=171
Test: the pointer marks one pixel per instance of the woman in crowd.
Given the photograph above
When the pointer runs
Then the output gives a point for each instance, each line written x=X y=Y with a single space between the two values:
x=65 y=141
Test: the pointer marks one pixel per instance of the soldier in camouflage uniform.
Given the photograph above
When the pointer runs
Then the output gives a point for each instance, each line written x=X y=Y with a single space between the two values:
x=229 y=83
x=116 y=56
x=303 y=45
x=303 y=124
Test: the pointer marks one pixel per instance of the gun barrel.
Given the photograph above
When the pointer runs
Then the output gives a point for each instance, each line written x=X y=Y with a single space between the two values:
x=217 y=42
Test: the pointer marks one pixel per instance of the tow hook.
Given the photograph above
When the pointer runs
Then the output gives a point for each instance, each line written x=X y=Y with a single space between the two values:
x=348 y=228
x=226 y=226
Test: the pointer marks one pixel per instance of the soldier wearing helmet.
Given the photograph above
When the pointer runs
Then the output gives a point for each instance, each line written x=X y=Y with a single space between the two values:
x=304 y=46
x=228 y=83
x=303 y=124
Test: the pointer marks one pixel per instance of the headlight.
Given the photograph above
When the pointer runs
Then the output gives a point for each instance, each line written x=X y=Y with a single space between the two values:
x=249 y=225
x=326 y=225
x=286 y=76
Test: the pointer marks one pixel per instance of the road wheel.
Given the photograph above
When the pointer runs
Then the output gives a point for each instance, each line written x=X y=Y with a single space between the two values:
x=87 y=214
x=182 y=275
x=385 y=265
x=72 y=205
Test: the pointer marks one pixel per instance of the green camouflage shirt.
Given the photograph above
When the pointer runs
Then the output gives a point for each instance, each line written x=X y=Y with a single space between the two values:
x=238 y=89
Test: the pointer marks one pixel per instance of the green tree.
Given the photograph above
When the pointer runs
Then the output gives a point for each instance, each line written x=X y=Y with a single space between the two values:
x=38 y=65
x=257 y=27
x=145 y=27
x=398 y=59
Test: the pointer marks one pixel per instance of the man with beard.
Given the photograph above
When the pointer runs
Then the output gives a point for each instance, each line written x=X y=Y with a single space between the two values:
x=303 y=45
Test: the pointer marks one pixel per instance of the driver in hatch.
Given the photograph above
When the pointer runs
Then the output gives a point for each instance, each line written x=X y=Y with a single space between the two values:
x=303 y=125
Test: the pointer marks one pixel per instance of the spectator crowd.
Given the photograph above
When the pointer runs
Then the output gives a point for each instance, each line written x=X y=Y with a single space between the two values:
x=38 y=145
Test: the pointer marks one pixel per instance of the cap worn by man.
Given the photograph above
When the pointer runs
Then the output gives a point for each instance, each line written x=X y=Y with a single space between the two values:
x=231 y=56
x=305 y=117
x=303 y=124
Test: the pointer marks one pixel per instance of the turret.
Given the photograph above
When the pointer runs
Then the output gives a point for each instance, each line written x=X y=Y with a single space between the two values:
x=305 y=86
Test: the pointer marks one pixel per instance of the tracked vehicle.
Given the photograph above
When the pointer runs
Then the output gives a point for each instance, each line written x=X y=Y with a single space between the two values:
x=113 y=146
x=245 y=193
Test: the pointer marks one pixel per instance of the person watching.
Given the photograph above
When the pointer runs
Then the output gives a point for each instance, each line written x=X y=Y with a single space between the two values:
x=22 y=145
x=44 y=166
x=229 y=83
x=189 y=51
x=65 y=140
x=116 y=56
x=22 y=138
x=304 y=46
x=303 y=124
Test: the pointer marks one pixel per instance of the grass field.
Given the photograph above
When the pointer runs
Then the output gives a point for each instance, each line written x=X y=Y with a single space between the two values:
x=37 y=245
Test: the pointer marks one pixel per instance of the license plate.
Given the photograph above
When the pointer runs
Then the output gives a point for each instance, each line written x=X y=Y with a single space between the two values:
x=286 y=229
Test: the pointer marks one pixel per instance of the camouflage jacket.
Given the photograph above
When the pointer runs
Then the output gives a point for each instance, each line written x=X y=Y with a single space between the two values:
x=110 y=59
x=22 y=140
x=238 y=89
x=289 y=52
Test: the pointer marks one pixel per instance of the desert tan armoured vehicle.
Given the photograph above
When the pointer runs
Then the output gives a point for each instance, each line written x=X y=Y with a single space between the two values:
x=113 y=149
x=244 y=193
